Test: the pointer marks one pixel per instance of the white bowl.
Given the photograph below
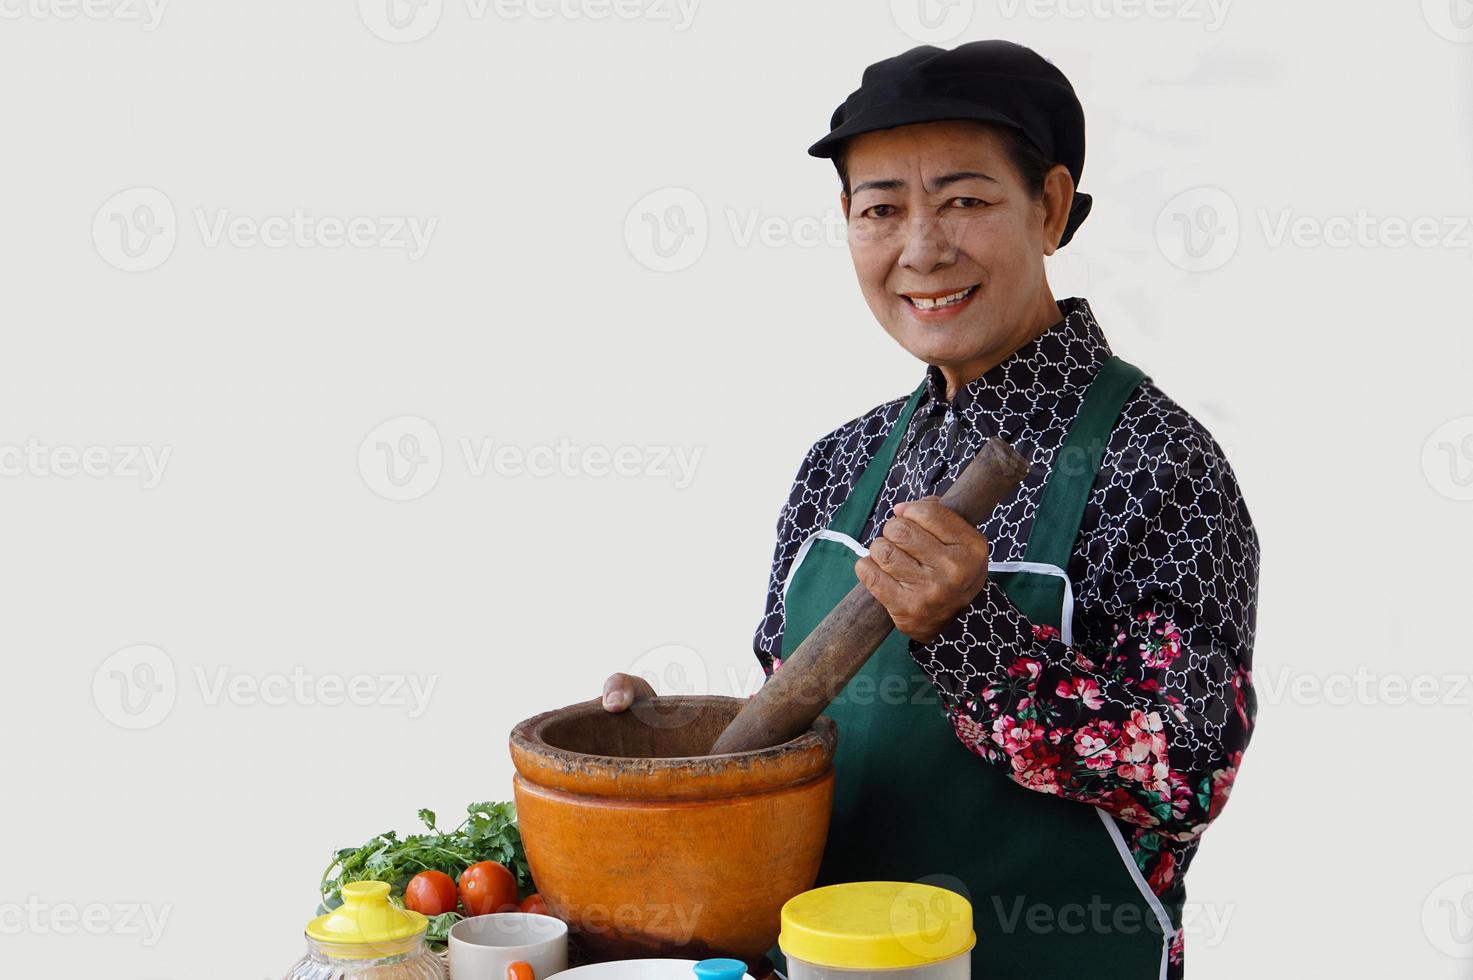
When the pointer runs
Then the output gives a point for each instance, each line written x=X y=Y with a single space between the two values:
x=636 y=970
x=482 y=947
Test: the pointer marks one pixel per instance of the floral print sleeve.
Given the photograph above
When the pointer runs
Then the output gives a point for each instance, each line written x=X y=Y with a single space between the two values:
x=1148 y=713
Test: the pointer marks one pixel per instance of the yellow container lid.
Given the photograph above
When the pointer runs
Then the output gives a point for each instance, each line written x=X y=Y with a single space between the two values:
x=876 y=925
x=367 y=922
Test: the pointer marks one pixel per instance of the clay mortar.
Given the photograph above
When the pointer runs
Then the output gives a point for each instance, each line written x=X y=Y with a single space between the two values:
x=648 y=847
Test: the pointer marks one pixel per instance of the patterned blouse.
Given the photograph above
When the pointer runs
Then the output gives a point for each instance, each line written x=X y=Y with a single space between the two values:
x=1148 y=712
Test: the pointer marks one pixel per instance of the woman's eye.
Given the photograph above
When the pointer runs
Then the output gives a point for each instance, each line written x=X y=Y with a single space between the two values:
x=968 y=202
x=873 y=210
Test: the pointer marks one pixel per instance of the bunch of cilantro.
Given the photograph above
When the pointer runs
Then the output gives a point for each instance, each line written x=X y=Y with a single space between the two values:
x=488 y=833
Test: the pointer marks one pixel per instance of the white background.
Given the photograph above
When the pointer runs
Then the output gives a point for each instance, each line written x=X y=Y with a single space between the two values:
x=1336 y=374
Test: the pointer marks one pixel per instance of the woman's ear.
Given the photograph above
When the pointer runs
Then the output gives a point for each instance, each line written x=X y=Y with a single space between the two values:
x=1058 y=195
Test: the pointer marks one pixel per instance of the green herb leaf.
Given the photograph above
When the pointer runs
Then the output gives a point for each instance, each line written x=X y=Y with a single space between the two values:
x=488 y=833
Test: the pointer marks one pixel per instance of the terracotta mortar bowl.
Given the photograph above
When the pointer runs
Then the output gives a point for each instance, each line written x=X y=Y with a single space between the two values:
x=646 y=847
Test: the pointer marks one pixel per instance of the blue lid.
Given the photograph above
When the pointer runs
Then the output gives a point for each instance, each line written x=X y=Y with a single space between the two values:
x=721 y=969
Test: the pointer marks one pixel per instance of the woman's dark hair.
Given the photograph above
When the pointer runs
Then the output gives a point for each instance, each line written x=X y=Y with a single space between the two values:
x=1027 y=159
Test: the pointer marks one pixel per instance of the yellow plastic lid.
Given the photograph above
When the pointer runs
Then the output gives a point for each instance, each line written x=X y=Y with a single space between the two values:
x=876 y=925
x=366 y=919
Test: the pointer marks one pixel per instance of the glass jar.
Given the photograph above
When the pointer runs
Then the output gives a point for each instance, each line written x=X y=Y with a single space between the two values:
x=367 y=938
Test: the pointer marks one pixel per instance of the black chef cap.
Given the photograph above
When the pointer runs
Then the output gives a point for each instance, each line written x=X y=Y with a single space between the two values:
x=989 y=81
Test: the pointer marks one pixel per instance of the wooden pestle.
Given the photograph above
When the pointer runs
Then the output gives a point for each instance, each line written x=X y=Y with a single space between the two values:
x=794 y=696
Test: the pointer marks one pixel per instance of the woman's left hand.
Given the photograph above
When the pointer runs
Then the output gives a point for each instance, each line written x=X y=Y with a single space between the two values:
x=927 y=564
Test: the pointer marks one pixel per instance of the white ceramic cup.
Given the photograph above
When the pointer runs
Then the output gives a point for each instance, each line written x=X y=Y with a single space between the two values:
x=481 y=948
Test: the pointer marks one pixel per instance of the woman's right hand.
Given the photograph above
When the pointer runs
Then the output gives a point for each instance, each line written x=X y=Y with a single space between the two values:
x=622 y=690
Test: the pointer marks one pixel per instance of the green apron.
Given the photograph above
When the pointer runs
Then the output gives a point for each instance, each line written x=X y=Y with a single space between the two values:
x=1055 y=893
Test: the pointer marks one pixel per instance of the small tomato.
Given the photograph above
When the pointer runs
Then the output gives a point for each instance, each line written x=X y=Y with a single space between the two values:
x=487 y=887
x=430 y=893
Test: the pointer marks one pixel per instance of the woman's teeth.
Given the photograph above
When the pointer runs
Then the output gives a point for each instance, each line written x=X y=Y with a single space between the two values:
x=921 y=303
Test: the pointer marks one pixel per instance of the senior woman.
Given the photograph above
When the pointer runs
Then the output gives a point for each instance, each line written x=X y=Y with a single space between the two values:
x=1063 y=705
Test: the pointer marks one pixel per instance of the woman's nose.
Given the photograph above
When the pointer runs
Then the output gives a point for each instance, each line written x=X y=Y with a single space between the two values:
x=927 y=244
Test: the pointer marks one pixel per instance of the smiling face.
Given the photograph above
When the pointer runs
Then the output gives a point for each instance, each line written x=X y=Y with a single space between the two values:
x=948 y=242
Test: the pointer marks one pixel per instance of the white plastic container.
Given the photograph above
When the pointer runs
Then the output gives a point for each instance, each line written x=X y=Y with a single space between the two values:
x=636 y=970
x=959 y=967
x=878 y=930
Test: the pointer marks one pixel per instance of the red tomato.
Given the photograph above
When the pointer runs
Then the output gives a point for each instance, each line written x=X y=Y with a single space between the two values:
x=534 y=903
x=487 y=887
x=430 y=893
